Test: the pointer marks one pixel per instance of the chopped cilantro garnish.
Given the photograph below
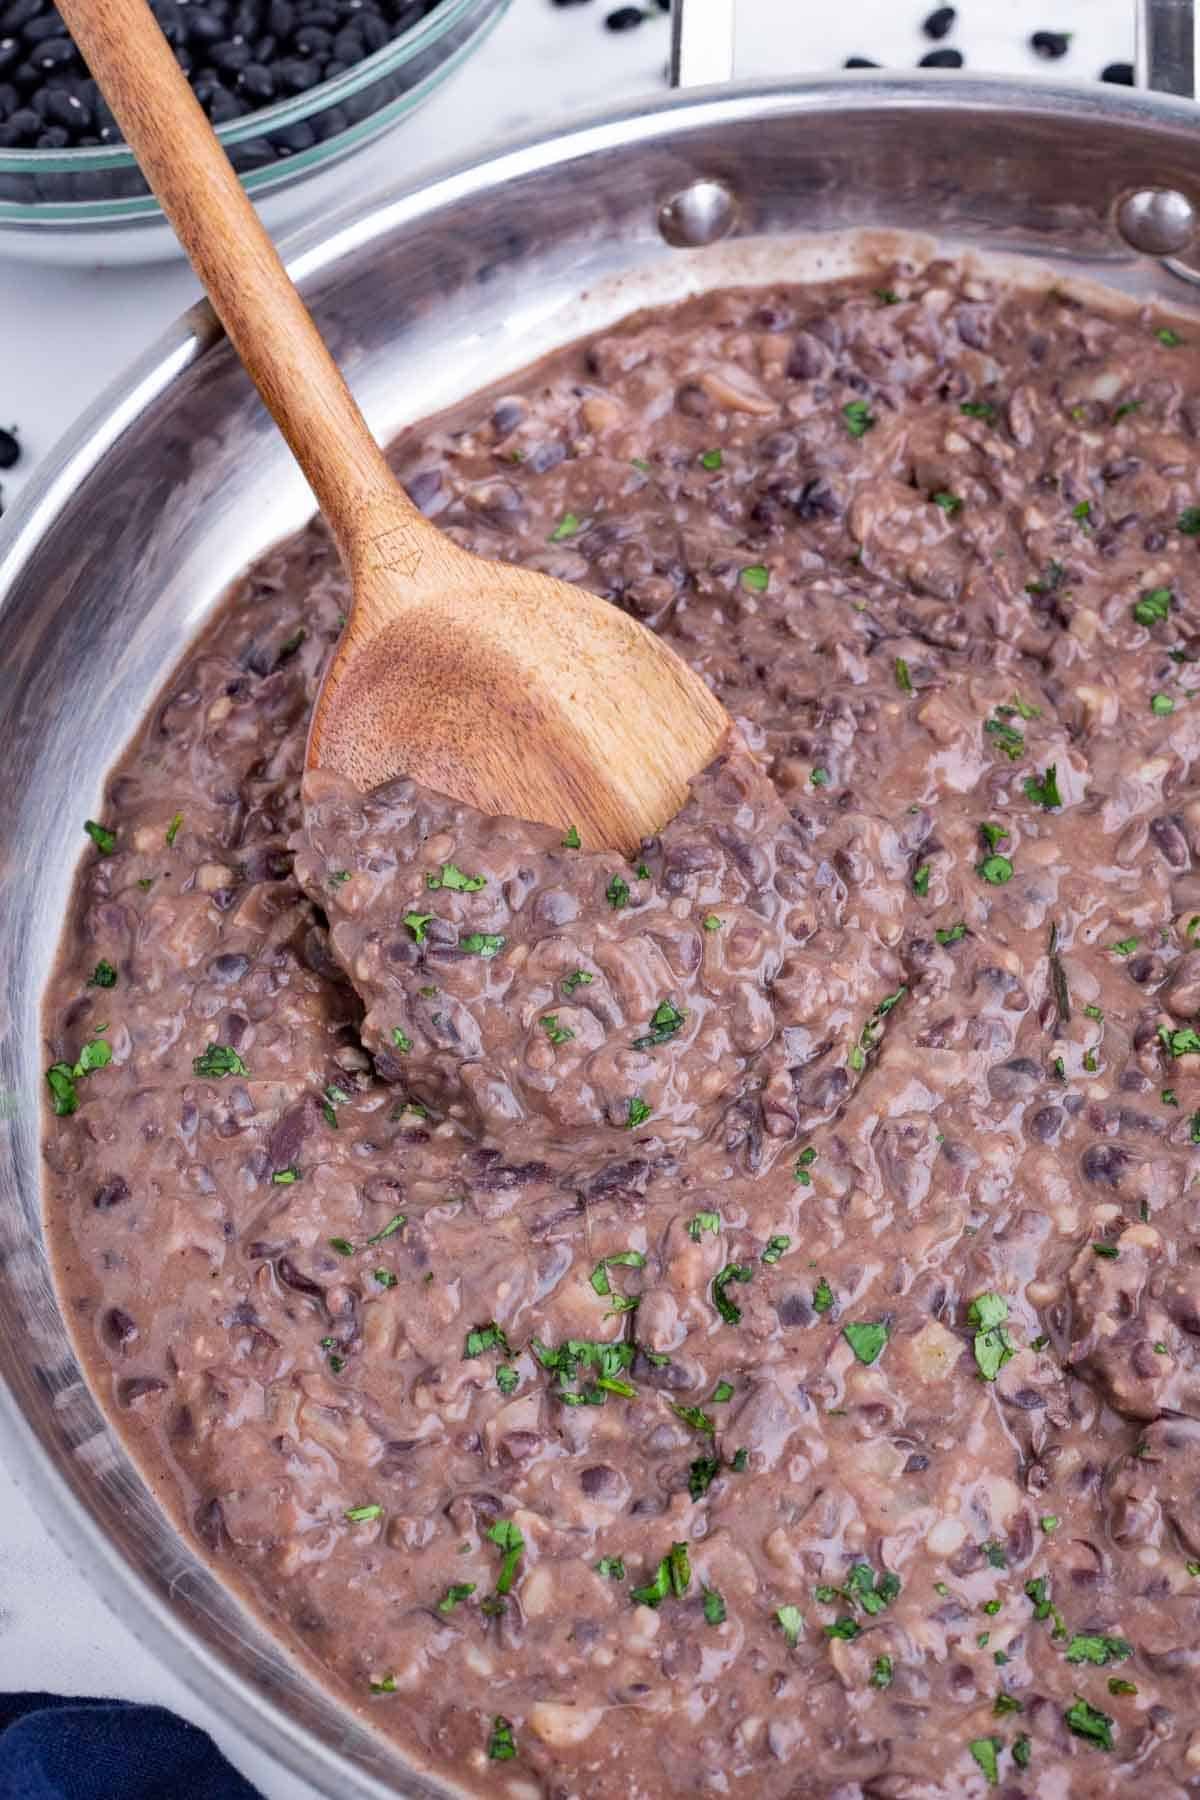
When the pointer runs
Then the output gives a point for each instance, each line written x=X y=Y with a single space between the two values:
x=61 y=1076
x=952 y=934
x=1124 y=946
x=703 y=1221
x=696 y=1417
x=638 y=1113
x=673 y=1576
x=822 y=1296
x=452 y=877
x=1154 y=604
x=1044 y=792
x=800 y=1173
x=1049 y=1522
x=502 y=1745
x=776 y=1247
x=103 y=975
x=791 y=1622
x=665 y=1021
x=711 y=459
x=992 y=834
x=385 y=1278
x=617 y=893
x=386 y=1685
x=866 y=1338
x=881 y=1673
x=920 y=880
x=903 y=678
x=1166 y=336
x=986 y=1752
x=714 y=1607
x=820 y=777
x=859 y=418
x=723 y=1391
x=104 y=839
x=741 y=1272
x=1090 y=1723
x=701 y=1475
x=711 y=922
x=1189 y=521
x=286 y=1177
x=1008 y=738
x=1087 y=1647
x=872 y=1031
x=342 y=1246
x=978 y=409
x=458 y=1591
x=172 y=831
x=987 y=1313
x=629 y=1259
x=846 y=1627
x=1109 y=1252
x=416 y=923
x=572 y=841
x=576 y=979
x=394 y=1224
x=567 y=526
x=485 y=1337
x=611 y=1567
x=1161 y=705
x=995 y=869
x=506 y=1537
x=1182 y=1042
x=218 y=1060
x=359 y=1515
x=482 y=943
x=558 y=1034
x=756 y=578
x=949 y=503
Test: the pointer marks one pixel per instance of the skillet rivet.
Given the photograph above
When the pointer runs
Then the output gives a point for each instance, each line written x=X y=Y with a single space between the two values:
x=1156 y=221
x=699 y=214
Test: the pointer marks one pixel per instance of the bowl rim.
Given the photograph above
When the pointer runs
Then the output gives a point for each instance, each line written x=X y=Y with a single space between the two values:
x=312 y=255
x=94 y=159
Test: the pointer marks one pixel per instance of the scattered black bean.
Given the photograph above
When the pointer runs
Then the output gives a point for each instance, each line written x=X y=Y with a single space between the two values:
x=1119 y=73
x=940 y=23
x=625 y=18
x=860 y=62
x=941 y=59
x=1050 y=44
x=10 y=449
x=239 y=55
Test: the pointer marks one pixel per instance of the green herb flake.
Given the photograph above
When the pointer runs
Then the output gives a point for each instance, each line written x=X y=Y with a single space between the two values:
x=756 y=578
x=1044 y=792
x=572 y=841
x=1184 y=1041
x=360 y=1515
x=396 y=1223
x=1009 y=740
x=820 y=777
x=977 y=409
x=866 y=1338
x=103 y=975
x=711 y=459
x=949 y=503
x=342 y=1246
x=992 y=834
x=723 y=1391
x=576 y=979
x=995 y=870
x=1089 y=1723
x=903 y=678
x=953 y=934
x=1049 y=1522
x=502 y=1746
x=416 y=923
x=845 y=1627
x=804 y=1162
x=386 y=1685
x=711 y=922
x=611 y=1567
x=1188 y=521
x=1087 y=1647
x=791 y=1622
x=1004 y=1704
x=485 y=1337
x=703 y=1221
x=385 y=1278
x=1117 y=1686
x=617 y=893
x=740 y=1272
x=887 y=296
x=714 y=1607
x=988 y=1313
x=453 y=878
x=172 y=831
x=1161 y=705
x=558 y=1034
x=1082 y=512
x=859 y=418
x=822 y=1297
x=506 y=1537
x=637 y=1114
x=920 y=880
x=1154 y=604
x=567 y=526
x=286 y=1177
x=986 y=1752
x=455 y=1595
x=1125 y=946
x=1170 y=338
x=776 y=1247
x=219 y=1060
x=104 y=839
x=665 y=1021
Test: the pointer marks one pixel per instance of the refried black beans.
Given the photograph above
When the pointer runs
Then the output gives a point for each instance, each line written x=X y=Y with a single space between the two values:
x=729 y=1318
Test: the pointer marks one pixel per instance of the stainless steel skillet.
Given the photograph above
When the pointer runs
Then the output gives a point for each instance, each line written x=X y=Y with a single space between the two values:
x=174 y=481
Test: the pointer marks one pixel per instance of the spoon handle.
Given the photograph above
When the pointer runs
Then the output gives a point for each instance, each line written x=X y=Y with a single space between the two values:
x=264 y=316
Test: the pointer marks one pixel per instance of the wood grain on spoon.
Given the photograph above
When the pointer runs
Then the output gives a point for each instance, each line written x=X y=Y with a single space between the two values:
x=501 y=687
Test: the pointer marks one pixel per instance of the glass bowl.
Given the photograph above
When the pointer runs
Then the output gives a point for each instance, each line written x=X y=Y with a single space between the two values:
x=62 y=205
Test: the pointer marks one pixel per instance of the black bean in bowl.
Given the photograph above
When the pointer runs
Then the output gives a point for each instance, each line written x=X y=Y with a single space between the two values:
x=322 y=77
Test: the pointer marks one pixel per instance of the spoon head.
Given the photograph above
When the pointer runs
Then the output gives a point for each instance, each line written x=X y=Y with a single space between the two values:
x=518 y=695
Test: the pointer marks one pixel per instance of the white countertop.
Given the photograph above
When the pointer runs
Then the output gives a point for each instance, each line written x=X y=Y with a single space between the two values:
x=65 y=333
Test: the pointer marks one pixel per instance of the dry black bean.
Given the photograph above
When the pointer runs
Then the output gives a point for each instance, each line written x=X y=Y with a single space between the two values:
x=942 y=59
x=940 y=23
x=1121 y=73
x=1050 y=44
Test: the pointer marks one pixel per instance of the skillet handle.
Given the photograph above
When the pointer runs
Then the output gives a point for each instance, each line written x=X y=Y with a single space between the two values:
x=701 y=42
x=1166 y=46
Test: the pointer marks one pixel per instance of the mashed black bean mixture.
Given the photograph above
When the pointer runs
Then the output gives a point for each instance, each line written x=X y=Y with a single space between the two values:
x=726 y=1319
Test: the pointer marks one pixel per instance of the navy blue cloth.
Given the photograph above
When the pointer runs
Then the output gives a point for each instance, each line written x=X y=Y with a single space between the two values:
x=55 y=1748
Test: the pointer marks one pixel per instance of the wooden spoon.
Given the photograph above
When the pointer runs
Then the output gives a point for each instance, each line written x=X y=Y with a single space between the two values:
x=498 y=686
